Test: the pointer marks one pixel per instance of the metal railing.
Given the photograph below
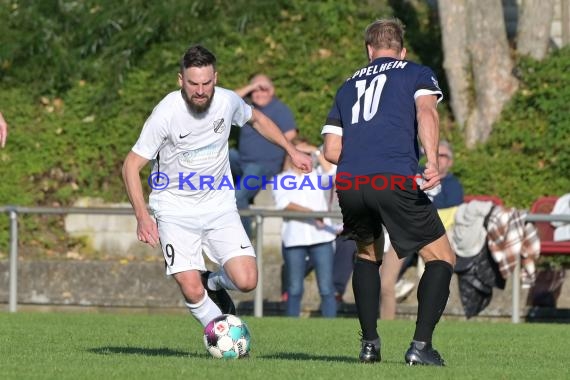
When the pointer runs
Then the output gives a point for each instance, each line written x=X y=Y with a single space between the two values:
x=515 y=313
x=259 y=214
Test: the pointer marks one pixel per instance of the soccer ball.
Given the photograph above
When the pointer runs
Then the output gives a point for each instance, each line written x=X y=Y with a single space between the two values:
x=227 y=337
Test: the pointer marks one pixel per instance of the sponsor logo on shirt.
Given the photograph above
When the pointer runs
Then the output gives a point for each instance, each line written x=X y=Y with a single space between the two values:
x=209 y=152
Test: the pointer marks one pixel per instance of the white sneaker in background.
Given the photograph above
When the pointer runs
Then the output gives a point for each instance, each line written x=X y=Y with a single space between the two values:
x=403 y=289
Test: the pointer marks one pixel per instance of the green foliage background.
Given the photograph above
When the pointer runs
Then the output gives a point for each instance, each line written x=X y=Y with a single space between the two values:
x=528 y=152
x=78 y=79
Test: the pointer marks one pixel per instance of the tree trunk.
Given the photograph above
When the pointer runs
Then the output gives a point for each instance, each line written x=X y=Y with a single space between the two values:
x=533 y=31
x=491 y=65
x=453 y=21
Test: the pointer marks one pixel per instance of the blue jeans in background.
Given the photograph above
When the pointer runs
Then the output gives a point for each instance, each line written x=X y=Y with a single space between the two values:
x=295 y=261
x=343 y=263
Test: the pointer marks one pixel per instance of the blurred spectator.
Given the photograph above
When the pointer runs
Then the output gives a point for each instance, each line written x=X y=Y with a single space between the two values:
x=256 y=156
x=451 y=189
x=302 y=238
x=344 y=250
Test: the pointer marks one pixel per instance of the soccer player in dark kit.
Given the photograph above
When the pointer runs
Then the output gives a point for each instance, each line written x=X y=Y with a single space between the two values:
x=372 y=134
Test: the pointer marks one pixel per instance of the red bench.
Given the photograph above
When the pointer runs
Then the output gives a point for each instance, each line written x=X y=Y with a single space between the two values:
x=548 y=247
x=483 y=197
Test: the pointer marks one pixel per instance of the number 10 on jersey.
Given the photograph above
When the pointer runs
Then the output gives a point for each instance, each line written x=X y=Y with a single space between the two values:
x=371 y=94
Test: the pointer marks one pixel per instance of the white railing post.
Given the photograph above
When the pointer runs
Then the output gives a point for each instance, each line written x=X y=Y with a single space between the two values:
x=516 y=290
x=258 y=301
x=13 y=297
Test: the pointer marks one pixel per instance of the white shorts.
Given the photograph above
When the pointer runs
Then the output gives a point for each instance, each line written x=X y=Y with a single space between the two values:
x=218 y=234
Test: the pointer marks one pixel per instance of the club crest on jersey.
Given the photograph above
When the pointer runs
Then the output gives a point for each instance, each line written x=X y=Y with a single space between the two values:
x=219 y=126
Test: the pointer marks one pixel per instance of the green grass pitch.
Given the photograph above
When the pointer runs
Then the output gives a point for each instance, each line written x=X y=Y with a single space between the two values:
x=169 y=346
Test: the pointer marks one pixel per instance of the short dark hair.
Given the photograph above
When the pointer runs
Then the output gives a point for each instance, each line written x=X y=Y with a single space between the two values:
x=385 y=34
x=197 y=56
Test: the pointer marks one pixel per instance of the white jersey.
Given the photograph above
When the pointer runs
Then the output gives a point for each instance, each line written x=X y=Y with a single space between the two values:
x=295 y=232
x=192 y=151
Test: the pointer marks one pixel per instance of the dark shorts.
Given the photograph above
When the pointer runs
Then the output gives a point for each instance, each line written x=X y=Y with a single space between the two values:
x=368 y=202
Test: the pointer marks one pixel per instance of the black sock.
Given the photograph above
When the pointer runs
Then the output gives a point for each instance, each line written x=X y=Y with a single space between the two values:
x=366 y=288
x=433 y=292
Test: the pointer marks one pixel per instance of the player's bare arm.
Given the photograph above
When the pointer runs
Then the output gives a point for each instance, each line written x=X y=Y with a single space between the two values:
x=3 y=131
x=332 y=147
x=147 y=231
x=267 y=128
x=428 y=132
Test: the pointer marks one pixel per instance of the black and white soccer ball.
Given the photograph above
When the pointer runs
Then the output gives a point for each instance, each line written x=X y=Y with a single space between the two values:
x=227 y=337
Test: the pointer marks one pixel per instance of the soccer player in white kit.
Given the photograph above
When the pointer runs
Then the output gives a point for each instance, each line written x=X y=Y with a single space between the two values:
x=193 y=198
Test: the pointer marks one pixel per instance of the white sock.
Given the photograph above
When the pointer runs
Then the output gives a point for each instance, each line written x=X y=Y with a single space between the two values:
x=220 y=279
x=205 y=310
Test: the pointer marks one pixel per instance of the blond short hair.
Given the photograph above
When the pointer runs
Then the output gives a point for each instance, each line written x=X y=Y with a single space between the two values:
x=385 y=34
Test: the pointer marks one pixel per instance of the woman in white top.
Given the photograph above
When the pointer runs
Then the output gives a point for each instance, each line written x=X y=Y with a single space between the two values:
x=302 y=238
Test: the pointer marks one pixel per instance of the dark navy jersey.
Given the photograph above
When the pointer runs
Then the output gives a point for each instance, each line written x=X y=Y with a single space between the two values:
x=375 y=113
